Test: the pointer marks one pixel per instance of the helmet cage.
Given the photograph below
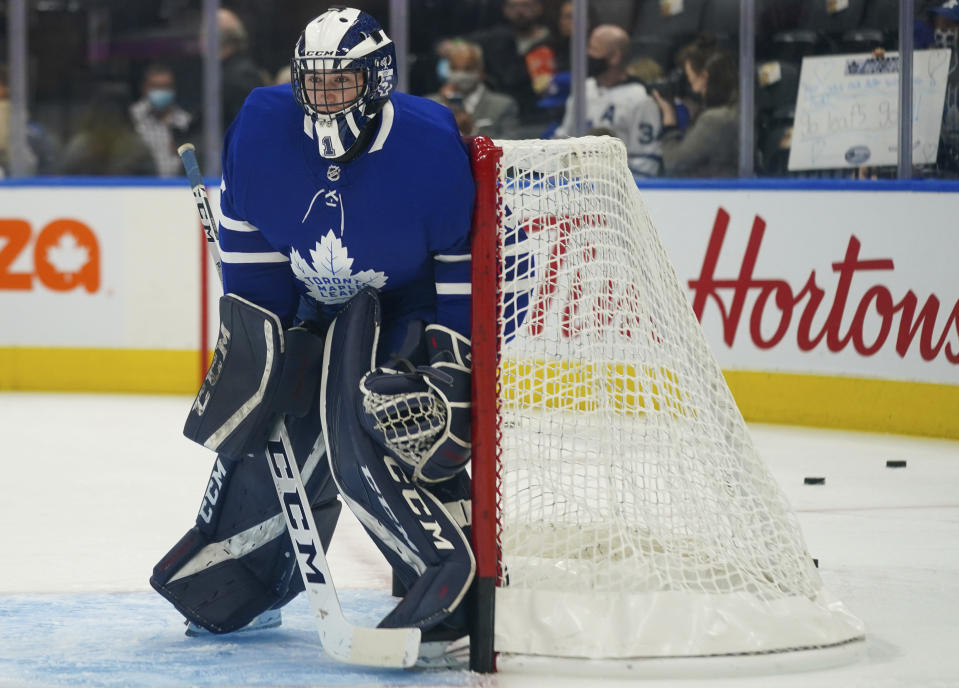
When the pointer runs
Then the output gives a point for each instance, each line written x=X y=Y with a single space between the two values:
x=342 y=40
x=319 y=97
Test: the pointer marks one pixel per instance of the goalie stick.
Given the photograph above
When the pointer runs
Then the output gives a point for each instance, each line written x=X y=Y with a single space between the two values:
x=384 y=647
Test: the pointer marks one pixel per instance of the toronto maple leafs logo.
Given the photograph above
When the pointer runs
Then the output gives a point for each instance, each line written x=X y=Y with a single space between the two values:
x=329 y=278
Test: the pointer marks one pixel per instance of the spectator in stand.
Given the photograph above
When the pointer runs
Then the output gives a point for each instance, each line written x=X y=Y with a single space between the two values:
x=477 y=109
x=709 y=147
x=616 y=102
x=40 y=157
x=517 y=56
x=106 y=143
x=553 y=103
x=161 y=123
x=945 y=23
x=240 y=75
x=559 y=40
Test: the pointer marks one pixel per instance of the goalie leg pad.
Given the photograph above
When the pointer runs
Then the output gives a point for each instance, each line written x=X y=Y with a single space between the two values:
x=427 y=548
x=237 y=562
x=258 y=371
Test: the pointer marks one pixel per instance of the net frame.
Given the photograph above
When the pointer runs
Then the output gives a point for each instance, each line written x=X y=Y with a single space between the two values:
x=757 y=602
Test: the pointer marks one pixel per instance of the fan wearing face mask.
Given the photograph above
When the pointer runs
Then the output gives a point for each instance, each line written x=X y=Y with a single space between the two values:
x=160 y=122
x=478 y=109
x=619 y=103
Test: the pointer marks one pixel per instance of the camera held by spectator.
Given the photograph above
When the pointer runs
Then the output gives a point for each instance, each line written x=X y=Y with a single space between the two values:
x=710 y=145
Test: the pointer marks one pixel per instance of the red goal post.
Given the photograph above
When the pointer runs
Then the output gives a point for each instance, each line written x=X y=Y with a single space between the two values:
x=484 y=158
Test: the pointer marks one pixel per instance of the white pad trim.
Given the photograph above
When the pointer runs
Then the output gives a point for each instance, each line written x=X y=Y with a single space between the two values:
x=244 y=542
x=461 y=511
x=216 y=439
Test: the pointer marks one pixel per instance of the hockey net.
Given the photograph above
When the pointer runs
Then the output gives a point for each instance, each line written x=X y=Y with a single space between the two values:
x=621 y=509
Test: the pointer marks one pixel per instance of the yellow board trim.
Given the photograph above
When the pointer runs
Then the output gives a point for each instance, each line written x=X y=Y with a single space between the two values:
x=144 y=371
x=913 y=408
x=910 y=408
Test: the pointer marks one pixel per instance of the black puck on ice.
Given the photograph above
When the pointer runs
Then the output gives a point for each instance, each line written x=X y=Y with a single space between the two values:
x=895 y=464
x=814 y=481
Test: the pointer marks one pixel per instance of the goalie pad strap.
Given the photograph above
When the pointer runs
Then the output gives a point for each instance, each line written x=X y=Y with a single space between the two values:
x=461 y=511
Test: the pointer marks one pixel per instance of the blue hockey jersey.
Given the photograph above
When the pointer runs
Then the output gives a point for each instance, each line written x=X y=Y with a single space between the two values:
x=300 y=234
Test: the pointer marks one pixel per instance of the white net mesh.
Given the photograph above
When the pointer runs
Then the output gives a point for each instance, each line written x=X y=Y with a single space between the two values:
x=628 y=477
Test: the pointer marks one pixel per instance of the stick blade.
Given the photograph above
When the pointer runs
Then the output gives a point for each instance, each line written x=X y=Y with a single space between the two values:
x=379 y=647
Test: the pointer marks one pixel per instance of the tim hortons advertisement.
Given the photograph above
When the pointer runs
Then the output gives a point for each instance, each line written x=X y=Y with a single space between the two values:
x=860 y=284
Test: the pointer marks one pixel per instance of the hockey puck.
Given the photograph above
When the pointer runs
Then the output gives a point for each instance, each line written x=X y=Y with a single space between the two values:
x=814 y=481
x=895 y=464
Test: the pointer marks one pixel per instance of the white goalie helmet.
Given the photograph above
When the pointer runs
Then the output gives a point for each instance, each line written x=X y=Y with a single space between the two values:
x=343 y=71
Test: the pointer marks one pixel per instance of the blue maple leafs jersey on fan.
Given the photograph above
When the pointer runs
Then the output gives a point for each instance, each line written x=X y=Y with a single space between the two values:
x=300 y=234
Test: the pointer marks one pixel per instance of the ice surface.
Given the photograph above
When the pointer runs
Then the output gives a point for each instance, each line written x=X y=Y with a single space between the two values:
x=131 y=640
x=96 y=488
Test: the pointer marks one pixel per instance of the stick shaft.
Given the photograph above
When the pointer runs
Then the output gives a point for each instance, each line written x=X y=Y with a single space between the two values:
x=188 y=155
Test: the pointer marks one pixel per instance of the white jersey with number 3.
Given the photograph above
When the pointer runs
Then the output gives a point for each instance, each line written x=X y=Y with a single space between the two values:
x=629 y=111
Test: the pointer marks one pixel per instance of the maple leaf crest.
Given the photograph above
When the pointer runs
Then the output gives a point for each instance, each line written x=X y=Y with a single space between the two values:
x=68 y=255
x=328 y=273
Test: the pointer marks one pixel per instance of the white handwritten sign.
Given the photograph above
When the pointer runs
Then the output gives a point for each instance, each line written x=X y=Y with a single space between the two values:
x=847 y=111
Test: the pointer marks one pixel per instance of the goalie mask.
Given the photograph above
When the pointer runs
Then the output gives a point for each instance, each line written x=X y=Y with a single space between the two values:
x=343 y=73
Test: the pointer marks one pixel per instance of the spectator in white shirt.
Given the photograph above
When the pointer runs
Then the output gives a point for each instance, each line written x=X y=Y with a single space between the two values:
x=619 y=103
